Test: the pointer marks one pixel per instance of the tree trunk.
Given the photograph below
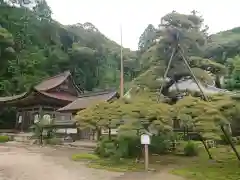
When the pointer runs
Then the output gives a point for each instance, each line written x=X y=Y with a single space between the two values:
x=94 y=133
x=109 y=133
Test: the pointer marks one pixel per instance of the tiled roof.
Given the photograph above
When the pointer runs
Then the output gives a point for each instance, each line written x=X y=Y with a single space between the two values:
x=43 y=87
x=60 y=96
x=52 y=82
x=89 y=99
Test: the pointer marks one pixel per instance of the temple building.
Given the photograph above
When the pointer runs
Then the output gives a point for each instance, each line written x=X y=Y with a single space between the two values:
x=57 y=98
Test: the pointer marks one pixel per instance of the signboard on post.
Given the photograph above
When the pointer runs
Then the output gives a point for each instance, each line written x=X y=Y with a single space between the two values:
x=145 y=140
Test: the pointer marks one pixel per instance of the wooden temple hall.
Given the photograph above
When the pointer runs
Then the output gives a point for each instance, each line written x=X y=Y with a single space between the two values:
x=57 y=98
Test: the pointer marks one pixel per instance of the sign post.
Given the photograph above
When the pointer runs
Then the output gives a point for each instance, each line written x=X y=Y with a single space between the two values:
x=145 y=140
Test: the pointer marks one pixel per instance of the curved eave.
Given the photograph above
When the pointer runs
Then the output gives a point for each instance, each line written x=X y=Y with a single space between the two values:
x=10 y=99
x=14 y=99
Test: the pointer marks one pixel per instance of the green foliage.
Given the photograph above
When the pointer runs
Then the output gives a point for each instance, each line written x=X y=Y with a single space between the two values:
x=201 y=115
x=140 y=113
x=106 y=148
x=160 y=144
x=191 y=149
x=34 y=46
x=223 y=45
x=147 y=38
x=4 y=139
x=84 y=156
x=192 y=33
x=233 y=79
x=129 y=147
x=155 y=56
x=201 y=168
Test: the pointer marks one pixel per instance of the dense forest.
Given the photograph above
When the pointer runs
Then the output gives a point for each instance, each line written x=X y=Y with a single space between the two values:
x=34 y=46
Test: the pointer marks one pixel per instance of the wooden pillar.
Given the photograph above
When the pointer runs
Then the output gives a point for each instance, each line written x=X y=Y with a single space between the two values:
x=23 y=117
x=16 y=124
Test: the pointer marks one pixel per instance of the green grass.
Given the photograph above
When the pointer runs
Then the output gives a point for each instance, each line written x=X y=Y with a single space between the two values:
x=123 y=165
x=84 y=156
x=93 y=161
x=4 y=138
x=224 y=166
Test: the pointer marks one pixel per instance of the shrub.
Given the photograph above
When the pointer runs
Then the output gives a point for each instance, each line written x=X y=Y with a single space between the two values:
x=191 y=149
x=160 y=144
x=129 y=147
x=106 y=148
x=4 y=139
x=53 y=141
x=84 y=156
x=238 y=140
x=223 y=140
x=120 y=147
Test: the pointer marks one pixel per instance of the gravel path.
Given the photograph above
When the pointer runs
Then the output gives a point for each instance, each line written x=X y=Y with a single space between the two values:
x=35 y=163
x=21 y=164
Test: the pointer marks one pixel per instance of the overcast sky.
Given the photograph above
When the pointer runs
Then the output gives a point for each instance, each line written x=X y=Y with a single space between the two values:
x=135 y=15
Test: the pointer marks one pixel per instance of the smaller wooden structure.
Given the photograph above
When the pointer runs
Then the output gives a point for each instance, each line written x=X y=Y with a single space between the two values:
x=86 y=100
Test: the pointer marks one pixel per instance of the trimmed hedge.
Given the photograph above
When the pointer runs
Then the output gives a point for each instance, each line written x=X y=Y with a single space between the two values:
x=4 y=139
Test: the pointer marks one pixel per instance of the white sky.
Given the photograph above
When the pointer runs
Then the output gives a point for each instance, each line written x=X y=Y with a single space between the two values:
x=135 y=15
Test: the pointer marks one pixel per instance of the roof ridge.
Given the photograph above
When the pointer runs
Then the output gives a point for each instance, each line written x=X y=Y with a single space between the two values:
x=51 y=81
x=97 y=93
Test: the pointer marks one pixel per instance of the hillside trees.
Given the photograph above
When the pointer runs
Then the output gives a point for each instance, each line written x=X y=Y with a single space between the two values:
x=223 y=45
x=43 y=48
